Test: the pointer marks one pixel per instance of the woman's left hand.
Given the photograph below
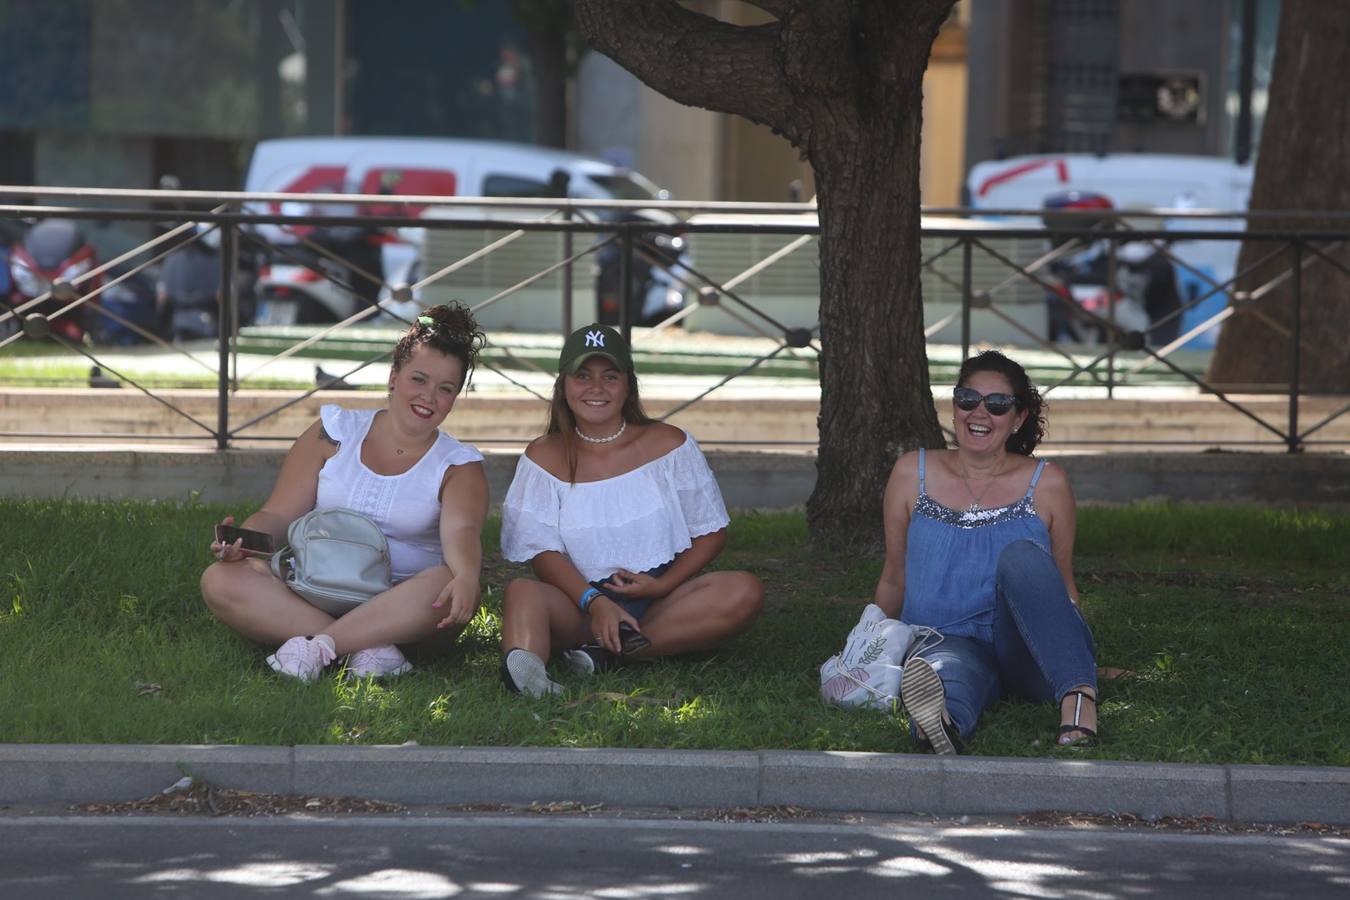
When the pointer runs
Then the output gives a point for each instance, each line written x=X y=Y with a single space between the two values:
x=228 y=552
x=635 y=584
x=461 y=593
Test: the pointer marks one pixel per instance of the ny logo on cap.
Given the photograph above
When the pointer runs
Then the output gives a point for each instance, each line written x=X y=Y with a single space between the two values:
x=595 y=339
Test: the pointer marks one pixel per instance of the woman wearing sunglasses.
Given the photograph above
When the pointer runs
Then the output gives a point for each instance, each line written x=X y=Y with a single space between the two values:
x=979 y=546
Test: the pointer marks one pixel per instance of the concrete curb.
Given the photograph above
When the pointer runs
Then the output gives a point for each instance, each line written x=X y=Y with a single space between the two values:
x=826 y=781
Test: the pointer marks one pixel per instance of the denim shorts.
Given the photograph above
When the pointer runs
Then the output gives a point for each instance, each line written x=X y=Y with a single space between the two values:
x=635 y=606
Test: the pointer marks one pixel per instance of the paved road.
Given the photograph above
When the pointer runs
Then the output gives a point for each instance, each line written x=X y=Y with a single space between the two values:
x=563 y=857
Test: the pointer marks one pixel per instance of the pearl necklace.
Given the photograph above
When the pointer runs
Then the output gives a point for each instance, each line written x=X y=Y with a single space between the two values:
x=604 y=440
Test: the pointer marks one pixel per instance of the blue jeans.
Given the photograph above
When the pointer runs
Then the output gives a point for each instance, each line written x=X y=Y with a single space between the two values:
x=1042 y=648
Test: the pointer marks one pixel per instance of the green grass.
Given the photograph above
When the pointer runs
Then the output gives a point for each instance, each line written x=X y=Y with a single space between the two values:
x=1230 y=626
x=45 y=365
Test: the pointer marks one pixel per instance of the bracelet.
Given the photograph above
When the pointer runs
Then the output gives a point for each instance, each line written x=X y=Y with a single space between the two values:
x=586 y=598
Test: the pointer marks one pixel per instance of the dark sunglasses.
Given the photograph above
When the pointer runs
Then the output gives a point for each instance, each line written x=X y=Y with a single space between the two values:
x=968 y=399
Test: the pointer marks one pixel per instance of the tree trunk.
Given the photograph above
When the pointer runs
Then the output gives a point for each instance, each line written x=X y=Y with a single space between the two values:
x=548 y=59
x=842 y=80
x=1303 y=164
x=876 y=400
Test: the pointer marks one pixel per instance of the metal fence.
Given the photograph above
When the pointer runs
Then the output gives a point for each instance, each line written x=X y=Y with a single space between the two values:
x=747 y=270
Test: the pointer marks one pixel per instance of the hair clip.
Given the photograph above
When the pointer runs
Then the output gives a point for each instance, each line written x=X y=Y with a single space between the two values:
x=427 y=321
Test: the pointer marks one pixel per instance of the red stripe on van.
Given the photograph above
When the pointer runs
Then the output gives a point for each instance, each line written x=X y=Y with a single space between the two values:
x=397 y=180
x=993 y=181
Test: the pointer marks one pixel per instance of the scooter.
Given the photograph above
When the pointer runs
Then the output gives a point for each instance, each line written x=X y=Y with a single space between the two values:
x=656 y=271
x=133 y=300
x=1144 y=291
x=53 y=251
x=303 y=287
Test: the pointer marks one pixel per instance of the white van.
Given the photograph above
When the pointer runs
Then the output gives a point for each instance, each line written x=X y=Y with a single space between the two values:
x=1136 y=181
x=449 y=167
x=1130 y=180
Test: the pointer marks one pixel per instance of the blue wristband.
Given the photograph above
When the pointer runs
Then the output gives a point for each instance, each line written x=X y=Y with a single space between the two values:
x=586 y=598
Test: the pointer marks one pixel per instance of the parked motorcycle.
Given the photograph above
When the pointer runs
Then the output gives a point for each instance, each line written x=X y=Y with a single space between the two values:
x=304 y=287
x=133 y=300
x=656 y=272
x=10 y=325
x=53 y=250
x=1144 y=292
x=188 y=293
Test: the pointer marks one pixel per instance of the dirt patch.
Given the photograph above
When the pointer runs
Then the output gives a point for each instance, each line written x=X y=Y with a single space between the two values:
x=1192 y=824
x=201 y=799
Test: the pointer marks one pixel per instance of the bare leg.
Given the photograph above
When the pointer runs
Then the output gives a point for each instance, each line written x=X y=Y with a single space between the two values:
x=401 y=615
x=702 y=612
x=247 y=597
x=538 y=617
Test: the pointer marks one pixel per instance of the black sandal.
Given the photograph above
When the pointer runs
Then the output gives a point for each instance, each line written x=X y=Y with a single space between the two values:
x=1089 y=738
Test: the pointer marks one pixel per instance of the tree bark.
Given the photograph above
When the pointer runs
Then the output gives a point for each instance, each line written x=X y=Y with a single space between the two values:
x=548 y=59
x=842 y=80
x=551 y=35
x=1303 y=164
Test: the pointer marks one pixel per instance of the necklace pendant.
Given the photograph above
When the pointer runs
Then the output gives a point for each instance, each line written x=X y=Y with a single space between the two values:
x=974 y=507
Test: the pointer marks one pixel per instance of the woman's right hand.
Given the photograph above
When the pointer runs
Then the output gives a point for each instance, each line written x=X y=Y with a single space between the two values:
x=228 y=552
x=606 y=615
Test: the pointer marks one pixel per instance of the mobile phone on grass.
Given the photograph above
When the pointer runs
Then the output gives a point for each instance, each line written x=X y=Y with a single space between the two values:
x=256 y=543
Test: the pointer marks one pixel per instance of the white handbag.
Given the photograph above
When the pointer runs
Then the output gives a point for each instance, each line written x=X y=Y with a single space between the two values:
x=337 y=559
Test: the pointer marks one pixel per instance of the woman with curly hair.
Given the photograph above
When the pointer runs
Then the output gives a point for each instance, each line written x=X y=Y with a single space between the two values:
x=979 y=547
x=425 y=490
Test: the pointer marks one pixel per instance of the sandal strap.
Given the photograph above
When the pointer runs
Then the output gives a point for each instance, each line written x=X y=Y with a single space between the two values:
x=1088 y=733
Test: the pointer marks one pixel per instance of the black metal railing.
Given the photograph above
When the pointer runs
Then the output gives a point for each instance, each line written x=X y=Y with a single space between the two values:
x=1020 y=278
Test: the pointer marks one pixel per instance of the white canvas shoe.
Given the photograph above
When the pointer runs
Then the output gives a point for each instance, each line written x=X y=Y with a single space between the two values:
x=302 y=657
x=378 y=662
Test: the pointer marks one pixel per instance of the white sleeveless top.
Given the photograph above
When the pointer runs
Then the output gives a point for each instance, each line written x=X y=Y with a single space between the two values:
x=407 y=507
x=635 y=521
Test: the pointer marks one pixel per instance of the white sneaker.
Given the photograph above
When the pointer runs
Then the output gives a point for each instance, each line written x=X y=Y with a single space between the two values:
x=378 y=662
x=524 y=673
x=302 y=657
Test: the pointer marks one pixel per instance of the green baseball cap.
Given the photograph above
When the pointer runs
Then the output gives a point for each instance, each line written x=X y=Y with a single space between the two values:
x=594 y=340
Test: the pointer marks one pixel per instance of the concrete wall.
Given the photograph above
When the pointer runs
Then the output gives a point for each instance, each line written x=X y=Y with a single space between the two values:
x=748 y=480
x=1009 y=53
x=1165 y=36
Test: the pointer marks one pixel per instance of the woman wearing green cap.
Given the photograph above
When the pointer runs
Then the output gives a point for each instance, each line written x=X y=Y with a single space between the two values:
x=618 y=514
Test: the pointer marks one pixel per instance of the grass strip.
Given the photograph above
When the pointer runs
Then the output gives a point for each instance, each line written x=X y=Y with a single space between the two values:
x=1220 y=631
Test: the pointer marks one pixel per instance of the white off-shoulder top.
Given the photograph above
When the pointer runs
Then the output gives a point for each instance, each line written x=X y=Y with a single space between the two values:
x=407 y=507
x=635 y=521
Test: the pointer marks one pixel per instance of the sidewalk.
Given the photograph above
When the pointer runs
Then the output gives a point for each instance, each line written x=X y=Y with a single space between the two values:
x=823 y=781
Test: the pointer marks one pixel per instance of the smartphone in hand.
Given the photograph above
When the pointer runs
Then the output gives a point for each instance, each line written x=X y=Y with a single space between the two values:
x=630 y=639
x=256 y=543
